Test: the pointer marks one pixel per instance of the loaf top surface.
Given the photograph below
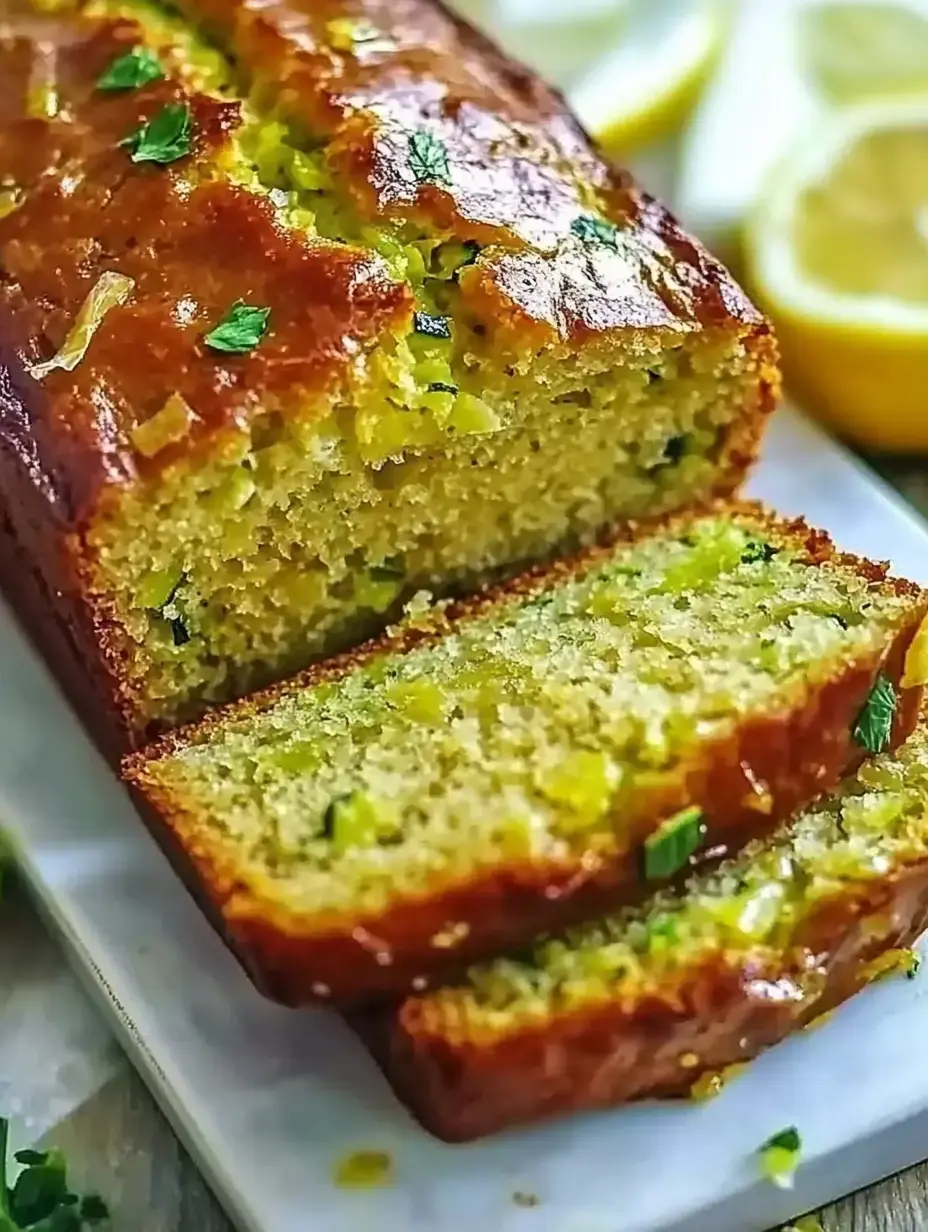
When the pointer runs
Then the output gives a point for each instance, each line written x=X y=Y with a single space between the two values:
x=773 y=916
x=442 y=178
x=530 y=721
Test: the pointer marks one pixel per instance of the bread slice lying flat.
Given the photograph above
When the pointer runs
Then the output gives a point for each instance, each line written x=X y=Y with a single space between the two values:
x=646 y=1000
x=306 y=306
x=499 y=767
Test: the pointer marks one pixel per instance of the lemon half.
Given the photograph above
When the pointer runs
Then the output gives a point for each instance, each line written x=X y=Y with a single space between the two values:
x=837 y=253
x=632 y=69
x=788 y=64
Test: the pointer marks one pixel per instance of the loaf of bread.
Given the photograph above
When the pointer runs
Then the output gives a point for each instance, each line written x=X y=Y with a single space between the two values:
x=499 y=766
x=304 y=307
x=646 y=1001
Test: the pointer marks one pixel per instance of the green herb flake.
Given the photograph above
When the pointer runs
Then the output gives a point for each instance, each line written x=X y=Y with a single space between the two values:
x=913 y=966
x=672 y=844
x=39 y=1198
x=428 y=158
x=780 y=1157
x=757 y=553
x=240 y=331
x=593 y=230
x=386 y=573
x=179 y=632
x=165 y=138
x=874 y=724
x=135 y=69
x=442 y=387
x=431 y=326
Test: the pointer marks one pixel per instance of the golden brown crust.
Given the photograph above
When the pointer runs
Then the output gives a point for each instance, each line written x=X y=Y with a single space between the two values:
x=717 y=1013
x=794 y=754
x=192 y=254
x=515 y=169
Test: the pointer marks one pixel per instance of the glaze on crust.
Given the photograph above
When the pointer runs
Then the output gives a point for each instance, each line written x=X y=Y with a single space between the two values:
x=193 y=245
x=800 y=751
x=714 y=1015
x=515 y=169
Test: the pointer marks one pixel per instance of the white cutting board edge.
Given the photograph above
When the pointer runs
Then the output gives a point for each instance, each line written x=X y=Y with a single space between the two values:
x=267 y=1100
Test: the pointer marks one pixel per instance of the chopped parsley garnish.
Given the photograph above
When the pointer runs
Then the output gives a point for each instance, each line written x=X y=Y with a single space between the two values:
x=669 y=848
x=137 y=68
x=675 y=449
x=165 y=138
x=428 y=158
x=874 y=724
x=913 y=966
x=179 y=632
x=780 y=1156
x=330 y=817
x=386 y=573
x=441 y=387
x=758 y=553
x=39 y=1198
x=593 y=230
x=431 y=326
x=240 y=330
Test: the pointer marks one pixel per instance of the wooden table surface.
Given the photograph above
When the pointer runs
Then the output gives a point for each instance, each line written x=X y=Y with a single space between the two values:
x=120 y=1145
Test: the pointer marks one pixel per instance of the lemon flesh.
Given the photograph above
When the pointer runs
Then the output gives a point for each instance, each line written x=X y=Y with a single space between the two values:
x=837 y=253
x=788 y=66
x=863 y=231
x=861 y=51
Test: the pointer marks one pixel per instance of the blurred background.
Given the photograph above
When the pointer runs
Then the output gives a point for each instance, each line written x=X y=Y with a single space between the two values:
x=792 y=137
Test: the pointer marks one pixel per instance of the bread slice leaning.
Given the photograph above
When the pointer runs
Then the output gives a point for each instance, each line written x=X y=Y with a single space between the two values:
x=502 y=766
x=645 y=1001
x=499 y=768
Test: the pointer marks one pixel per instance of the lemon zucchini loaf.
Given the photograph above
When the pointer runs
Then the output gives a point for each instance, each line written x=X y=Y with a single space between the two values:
x=306 y=306
x=645 y=1001
x=534 y=755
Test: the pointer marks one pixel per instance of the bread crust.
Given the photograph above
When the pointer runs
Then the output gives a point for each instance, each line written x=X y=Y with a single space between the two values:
x=186 y=237
x=462 y=1086
x=790 y=757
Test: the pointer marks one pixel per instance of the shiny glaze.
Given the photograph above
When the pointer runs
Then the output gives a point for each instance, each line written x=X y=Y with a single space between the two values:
x=521 y=171
x=521 y=168
x=193 y=245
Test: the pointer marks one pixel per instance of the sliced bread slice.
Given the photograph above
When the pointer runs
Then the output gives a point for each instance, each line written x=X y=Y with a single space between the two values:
x=645 y=1001
x=498 y=768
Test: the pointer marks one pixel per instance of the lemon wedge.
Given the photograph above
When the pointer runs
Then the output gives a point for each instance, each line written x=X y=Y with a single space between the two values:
x=837 y=253
x=788 y=64
x=647 y=84
x=632 y=69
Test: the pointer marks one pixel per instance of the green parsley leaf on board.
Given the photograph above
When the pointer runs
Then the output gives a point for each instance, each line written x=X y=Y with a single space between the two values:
x=874 y=724
x=164 y=138
x=780 y=1157
x=39 y=1199
x=593 y=230
x=669 y=848
x=240 y=330
x=131 y=71
x=428 y=158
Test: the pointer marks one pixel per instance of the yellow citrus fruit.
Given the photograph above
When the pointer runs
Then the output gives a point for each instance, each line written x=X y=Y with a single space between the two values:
x=837 y=253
